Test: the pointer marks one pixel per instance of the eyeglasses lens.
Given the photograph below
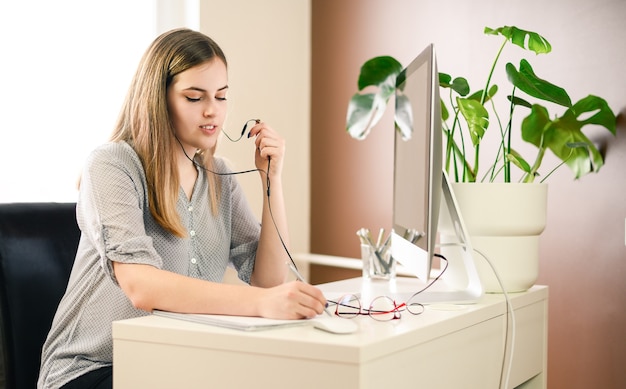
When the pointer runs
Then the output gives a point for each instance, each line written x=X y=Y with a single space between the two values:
x=383 y=308
x=348 y=306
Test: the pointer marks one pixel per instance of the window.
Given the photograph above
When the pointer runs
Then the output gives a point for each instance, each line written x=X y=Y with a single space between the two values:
x=66 y=66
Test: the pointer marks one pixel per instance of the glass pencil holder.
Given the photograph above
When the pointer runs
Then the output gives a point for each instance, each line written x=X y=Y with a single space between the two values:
x=377 y=265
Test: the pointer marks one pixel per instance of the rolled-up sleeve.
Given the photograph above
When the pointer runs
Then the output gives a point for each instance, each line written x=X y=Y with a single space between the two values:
x=113 y=202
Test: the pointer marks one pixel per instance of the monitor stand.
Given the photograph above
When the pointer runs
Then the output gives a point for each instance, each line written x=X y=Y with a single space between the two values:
x=460 y=283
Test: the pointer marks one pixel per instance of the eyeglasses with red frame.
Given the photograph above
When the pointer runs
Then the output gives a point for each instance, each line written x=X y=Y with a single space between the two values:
x=381 y=308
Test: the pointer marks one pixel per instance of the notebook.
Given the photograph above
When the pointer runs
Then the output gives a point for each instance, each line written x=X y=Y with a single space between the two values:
x=242 y=323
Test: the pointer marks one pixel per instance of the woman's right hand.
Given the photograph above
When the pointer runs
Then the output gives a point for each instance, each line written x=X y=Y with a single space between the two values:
x=292 y=300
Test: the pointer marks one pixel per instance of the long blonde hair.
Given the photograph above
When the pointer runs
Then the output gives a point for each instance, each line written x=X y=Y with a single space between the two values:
x=144 y=121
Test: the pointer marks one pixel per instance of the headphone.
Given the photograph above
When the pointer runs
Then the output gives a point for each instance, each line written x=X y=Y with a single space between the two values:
x=267 y=175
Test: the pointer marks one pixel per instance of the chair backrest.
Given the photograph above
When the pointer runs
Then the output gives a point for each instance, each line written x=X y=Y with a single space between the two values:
x=38 y=243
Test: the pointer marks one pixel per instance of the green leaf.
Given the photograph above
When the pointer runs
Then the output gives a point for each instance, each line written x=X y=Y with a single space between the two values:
x=444 y=111
x=560 y=134
x=527 y=40
x=444 y=80
x=479 y=94
x=476 y=96
x=519 y=101
x=476 y=116
x=364 y=112
x=519 y=161
x=527 y=81
x=459 y=84
x=535 y=124
x=379 y=71
x=598 y=111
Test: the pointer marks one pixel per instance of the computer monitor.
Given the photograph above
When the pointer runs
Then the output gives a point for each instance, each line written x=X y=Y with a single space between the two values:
x=422 y=195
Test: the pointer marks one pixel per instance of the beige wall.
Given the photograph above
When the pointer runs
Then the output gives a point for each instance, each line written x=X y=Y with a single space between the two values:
x=582 y=249
x=267 y=44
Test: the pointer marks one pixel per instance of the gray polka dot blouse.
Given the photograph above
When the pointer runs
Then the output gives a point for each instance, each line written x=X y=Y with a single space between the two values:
x=116 y=225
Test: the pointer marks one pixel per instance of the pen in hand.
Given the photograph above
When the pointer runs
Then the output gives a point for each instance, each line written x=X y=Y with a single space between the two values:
x=295 y=271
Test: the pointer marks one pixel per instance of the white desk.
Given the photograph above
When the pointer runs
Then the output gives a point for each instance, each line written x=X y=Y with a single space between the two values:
x=437 y=349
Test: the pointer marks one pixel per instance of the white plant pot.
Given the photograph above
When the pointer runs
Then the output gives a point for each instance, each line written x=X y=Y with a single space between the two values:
x=504 y=222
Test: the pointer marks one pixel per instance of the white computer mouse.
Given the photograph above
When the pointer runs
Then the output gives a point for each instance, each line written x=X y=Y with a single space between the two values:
x=335 y=325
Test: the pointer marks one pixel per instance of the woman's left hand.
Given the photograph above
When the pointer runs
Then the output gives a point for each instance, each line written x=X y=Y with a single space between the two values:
x=269 y=145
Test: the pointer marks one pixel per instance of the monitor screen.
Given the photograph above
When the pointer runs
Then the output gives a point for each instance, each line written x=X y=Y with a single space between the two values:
x=423 y=200
x=418 y=160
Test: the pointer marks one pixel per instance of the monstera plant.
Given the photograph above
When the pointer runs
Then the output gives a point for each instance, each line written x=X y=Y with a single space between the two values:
x=467 y=115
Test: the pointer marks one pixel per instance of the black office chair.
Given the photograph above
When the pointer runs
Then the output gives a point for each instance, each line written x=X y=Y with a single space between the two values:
x=38 y=242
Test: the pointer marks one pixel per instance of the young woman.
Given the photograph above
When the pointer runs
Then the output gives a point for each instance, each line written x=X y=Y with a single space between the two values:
x=162 y=218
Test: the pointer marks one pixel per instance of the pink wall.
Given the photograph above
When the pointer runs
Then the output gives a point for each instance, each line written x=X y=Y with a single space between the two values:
x=583 y=249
